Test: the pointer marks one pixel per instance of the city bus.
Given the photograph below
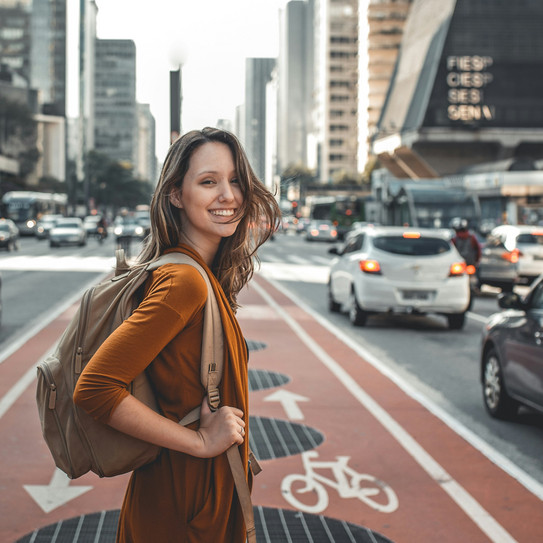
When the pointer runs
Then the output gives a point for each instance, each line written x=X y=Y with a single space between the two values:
x=25 y=208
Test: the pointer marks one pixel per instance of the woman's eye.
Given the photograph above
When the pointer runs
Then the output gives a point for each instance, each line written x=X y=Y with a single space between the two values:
x=235 y=180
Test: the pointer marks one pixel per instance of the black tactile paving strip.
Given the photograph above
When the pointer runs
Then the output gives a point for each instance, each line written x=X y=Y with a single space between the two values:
x=253 y=345
x=261 y=379
x=274 y=438
x=272 y=526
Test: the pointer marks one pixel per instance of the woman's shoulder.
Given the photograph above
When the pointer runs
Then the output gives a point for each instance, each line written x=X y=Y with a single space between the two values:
x=178 y=283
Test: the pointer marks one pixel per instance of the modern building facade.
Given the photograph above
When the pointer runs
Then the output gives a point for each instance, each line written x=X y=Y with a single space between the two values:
x=258 y=73
x=295 y=76
x=380 y=34
x=48 y=54
x=467 y=88
x=115 y=111
x=15 y=41
x=335 y=114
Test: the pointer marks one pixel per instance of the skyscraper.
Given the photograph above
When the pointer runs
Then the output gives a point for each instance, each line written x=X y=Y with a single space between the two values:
x=335 y=116
x=115 y=129
x=258 y=72
x=295 y=67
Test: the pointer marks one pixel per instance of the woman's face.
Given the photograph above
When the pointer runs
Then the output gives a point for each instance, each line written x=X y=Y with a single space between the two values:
x=210 y=196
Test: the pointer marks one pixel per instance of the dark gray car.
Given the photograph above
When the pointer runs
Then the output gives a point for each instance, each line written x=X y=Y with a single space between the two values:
x=512 y=354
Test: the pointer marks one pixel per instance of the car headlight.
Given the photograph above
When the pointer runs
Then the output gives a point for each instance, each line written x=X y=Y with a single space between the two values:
x=118 y=231
x=139 y=231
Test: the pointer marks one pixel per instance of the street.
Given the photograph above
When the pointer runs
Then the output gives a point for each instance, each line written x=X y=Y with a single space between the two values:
x=434 y=366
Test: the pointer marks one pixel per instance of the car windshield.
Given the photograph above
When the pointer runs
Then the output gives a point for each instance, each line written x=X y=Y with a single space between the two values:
x=416 y=246
x=68 y=224
x=4 y=227
x=530 y=239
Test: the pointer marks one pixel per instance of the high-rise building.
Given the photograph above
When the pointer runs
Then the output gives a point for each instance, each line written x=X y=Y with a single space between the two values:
x=380 y=34
x=115 y=113
x=258 y=73
x=467 y=88
x=15 y=39
x=48 y=54
x=335 y=118
x=295 y=76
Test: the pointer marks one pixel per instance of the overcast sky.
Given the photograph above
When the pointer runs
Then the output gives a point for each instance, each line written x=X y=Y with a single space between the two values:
x=211 y=38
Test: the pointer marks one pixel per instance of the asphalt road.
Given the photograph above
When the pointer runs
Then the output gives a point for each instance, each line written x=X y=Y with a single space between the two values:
x=438 y=366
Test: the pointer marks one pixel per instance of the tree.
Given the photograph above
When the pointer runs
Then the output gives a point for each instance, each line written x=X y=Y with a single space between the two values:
x=18 y=135
x=112 y=183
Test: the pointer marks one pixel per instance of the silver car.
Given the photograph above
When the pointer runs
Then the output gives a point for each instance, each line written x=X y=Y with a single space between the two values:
x=398 y=270
x=68 y=231
x=512 y=255
x=511 y=369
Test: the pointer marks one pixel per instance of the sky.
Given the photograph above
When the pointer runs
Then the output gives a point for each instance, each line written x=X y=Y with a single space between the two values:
x=210 y=38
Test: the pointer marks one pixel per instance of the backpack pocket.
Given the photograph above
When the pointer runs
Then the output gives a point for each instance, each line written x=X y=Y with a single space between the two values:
x=57 y=420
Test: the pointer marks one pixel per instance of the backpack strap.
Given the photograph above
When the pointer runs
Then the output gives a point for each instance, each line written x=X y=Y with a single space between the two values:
x=211 y=374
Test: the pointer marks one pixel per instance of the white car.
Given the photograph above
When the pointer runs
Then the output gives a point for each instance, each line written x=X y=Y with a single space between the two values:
x=388 y=269
x=68 y=231
x=512 y=255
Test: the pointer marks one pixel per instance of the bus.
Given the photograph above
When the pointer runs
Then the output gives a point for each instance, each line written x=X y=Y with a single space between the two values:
x=25 y=208
x=343 y=211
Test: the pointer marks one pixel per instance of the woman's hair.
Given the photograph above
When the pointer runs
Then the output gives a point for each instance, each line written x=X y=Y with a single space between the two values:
x=234 y=263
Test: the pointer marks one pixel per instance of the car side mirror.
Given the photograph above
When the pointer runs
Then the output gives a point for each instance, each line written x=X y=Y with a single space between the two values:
x=333 y=251
x=510 y=300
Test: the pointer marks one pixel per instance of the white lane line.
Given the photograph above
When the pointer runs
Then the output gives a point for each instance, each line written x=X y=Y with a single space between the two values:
x=13 y=394
x=482 y=446
x=44 y=319
x=16 y=390
x=459 y=495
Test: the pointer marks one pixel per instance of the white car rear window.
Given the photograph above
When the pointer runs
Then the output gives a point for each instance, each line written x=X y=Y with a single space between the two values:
x=423 y=246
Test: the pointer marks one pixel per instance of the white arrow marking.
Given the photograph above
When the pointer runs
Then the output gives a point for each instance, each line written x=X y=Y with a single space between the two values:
x=56 y=493
x=288 y=401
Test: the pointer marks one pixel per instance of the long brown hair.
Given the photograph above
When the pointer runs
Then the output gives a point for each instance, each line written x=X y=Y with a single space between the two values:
x=234 y=263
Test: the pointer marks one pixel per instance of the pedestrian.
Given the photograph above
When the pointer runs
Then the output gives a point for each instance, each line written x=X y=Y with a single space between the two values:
x=210 y=205
x=466 y=243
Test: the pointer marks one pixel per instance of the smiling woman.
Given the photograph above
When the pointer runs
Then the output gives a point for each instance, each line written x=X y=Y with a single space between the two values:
x=206 y=204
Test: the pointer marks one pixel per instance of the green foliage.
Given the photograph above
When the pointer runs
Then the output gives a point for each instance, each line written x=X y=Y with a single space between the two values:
x=18 y=136
x=112 y=183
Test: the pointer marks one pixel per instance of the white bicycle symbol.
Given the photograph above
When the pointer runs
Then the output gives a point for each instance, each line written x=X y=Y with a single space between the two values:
x=348 y=483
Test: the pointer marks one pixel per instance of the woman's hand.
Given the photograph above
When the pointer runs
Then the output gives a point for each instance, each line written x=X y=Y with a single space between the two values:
x=219 y=430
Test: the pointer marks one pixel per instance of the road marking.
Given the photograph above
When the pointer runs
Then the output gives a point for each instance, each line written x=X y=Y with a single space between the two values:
x=289 y=401
x=459 y=495
x=58 y=492
x=58 y=263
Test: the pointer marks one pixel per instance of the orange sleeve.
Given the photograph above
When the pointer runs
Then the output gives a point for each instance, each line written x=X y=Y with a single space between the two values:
x=174 y=297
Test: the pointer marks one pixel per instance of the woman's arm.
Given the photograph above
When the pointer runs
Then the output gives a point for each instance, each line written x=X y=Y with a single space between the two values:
x=217 y=431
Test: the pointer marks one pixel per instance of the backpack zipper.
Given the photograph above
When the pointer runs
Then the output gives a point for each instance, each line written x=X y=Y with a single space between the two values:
x=85 y=309
x=51 y=405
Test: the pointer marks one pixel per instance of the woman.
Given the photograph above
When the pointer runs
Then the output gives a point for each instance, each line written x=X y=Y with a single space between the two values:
x=210 y=205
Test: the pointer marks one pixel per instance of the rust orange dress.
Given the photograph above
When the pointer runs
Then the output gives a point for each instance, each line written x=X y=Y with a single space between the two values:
x=178 y=498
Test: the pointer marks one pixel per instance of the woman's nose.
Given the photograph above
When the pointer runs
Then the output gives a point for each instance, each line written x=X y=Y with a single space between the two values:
x=226 y=192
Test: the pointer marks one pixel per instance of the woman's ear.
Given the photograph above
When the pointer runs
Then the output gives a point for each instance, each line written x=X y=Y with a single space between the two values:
x=175 y=198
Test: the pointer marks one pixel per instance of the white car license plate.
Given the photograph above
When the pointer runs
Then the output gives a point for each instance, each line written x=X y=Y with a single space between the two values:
x=416 y=294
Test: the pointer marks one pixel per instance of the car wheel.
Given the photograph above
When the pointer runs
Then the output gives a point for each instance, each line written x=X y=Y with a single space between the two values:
x=497 y=402
x=456 y=320
x=333 y=306
x=357 y=315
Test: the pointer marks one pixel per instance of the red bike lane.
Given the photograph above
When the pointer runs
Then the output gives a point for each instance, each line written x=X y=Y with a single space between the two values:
x=323 y=419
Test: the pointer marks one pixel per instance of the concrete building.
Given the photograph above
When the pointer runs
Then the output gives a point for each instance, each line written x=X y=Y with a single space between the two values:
x=335 y=115
x=115 y=119
x=48 y=54
x=15 y=41
x=467 y=88
x=258 y=73
x=295 y=76
x=146 y=166
x=380 y=34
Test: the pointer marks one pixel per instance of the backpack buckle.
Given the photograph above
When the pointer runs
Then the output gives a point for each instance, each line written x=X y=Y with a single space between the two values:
x=213 y=398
